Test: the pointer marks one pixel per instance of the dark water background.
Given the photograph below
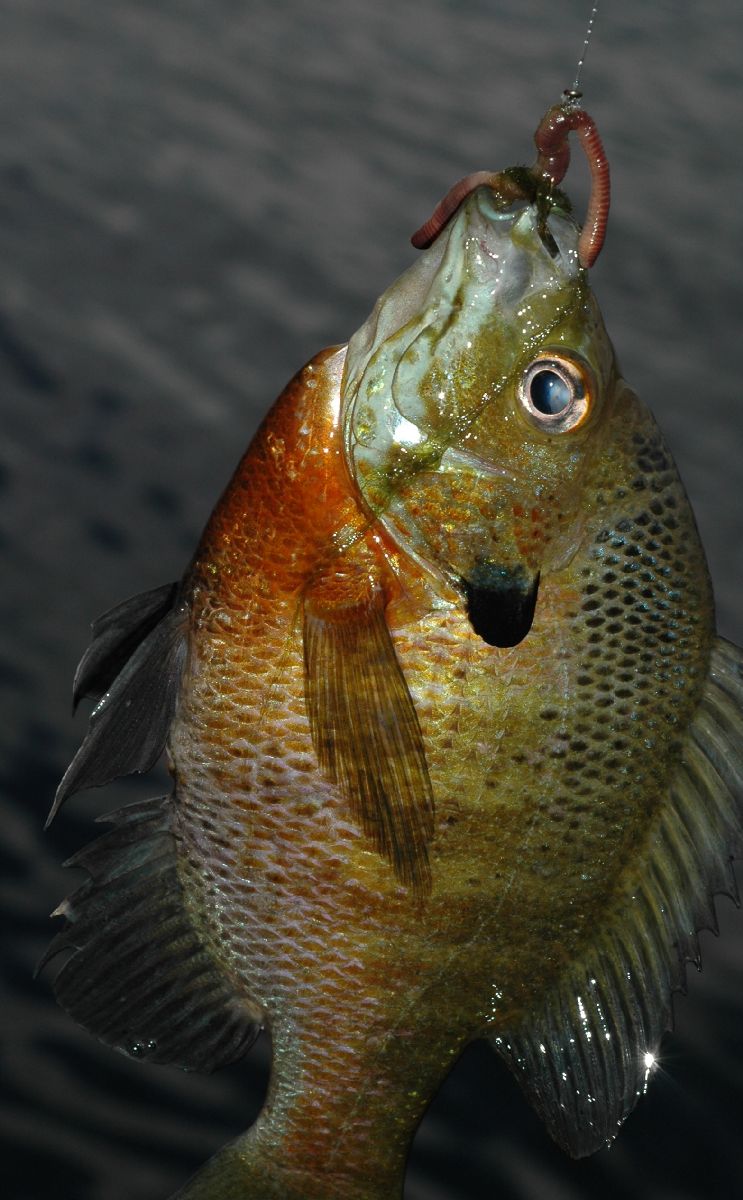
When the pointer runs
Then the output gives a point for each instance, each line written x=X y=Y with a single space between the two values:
x=194 y=198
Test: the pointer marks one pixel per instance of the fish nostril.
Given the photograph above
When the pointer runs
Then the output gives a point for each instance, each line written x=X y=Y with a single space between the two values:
x=500 y=602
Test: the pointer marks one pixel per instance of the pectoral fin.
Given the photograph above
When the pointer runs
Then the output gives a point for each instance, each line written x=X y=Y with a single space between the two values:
x=585 y=1057
x=365 y=729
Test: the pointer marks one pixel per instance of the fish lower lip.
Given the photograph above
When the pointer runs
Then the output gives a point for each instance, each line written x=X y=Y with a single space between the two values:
x=501 y=602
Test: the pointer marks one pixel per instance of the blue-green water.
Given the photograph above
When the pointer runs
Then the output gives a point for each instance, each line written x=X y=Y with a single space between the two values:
x=193 y=199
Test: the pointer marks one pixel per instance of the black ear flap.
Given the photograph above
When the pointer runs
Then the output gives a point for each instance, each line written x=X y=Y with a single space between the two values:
x=501 y=602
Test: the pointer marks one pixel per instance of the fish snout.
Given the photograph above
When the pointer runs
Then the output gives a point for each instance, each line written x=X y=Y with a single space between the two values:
x=500 y=601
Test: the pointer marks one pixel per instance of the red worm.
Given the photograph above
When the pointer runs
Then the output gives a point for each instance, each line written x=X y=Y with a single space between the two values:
x=553 y=158
x=446 y=208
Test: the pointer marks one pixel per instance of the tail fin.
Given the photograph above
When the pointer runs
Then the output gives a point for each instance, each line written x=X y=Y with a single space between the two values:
x=247 y=1169
x=227 y=1176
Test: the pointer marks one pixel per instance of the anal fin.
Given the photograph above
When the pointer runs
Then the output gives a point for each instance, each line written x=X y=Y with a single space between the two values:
x=585 y=1056
x=138 y=977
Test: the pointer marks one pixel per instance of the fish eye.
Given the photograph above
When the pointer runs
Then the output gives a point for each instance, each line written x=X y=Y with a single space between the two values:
x=556 y=392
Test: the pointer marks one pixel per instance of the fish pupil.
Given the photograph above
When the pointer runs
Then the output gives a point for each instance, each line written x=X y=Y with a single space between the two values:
x=549 y=393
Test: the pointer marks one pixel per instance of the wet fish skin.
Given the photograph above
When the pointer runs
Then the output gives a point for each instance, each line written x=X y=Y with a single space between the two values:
x=390 y=836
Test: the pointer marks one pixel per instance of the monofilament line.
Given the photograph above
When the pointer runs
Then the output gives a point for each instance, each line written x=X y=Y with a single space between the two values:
x=582 y=59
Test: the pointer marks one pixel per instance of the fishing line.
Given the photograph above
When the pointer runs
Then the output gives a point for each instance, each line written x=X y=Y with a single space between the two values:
x=575 y=89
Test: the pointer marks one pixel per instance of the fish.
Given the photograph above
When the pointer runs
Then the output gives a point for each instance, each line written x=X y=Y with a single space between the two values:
x=455 y=748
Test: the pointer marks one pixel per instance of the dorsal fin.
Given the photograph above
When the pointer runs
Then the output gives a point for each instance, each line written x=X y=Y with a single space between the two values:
x=137 y=654
x=585 y=1058
x=116 y=635
x=139 y=977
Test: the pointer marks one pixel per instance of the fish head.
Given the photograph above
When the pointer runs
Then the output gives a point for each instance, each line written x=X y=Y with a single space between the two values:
x=474 y=399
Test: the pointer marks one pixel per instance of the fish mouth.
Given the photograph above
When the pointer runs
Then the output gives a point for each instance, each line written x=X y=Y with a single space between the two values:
x=500 y=602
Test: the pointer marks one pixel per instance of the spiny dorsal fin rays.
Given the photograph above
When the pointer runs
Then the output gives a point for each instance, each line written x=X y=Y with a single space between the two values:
x=116 y=635
x=129 y=725
x=365 y=729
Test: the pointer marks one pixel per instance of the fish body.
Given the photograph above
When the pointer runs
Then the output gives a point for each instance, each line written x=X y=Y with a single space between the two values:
x=455 y=749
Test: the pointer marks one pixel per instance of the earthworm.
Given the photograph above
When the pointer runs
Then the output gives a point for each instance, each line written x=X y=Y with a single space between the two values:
x=446 y=208
x=553 y=158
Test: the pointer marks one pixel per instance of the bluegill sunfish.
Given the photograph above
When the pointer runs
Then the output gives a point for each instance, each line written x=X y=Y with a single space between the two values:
x=456 y=752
